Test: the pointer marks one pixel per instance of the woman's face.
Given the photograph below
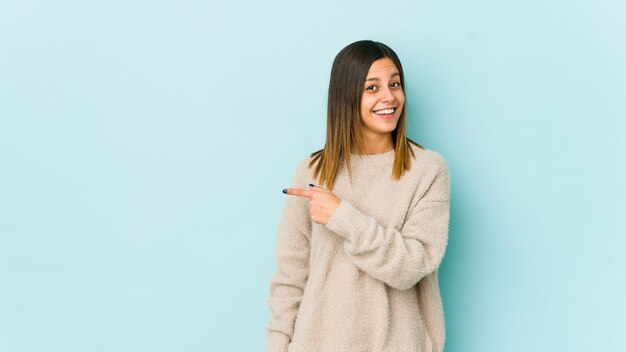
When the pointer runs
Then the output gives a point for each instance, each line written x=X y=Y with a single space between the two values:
x=382 y=100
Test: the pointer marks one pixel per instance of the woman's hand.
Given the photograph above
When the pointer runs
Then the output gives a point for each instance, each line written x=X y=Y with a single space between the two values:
x=322 y=202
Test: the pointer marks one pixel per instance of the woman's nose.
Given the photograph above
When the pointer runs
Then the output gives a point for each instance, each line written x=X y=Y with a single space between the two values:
x=387 y=95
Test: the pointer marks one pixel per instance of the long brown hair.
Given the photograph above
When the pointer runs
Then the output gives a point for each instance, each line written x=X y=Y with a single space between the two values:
x=343 y=128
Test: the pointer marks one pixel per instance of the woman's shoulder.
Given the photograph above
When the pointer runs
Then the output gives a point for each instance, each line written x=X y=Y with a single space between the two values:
x=426 y=157
x=305 y=165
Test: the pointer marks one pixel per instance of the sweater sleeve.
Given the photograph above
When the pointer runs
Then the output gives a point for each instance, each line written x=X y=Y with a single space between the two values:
x=399 y=258
x=292 y=268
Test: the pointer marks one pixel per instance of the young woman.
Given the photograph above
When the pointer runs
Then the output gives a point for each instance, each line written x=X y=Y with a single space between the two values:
x=364 y=225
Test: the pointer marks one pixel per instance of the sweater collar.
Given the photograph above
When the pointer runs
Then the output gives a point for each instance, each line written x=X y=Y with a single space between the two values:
x=369 y=160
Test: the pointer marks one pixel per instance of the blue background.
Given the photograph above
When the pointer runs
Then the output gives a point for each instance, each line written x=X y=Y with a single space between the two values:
x=144 y=146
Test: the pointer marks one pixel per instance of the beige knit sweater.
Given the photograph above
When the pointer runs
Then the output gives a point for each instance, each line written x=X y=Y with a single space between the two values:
x=367 y=280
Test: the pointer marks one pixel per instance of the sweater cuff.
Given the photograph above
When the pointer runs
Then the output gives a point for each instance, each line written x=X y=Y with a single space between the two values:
x=347 y=221
x=277 y=341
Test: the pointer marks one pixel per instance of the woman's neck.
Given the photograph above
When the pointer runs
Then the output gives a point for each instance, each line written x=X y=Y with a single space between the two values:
x=380 y=146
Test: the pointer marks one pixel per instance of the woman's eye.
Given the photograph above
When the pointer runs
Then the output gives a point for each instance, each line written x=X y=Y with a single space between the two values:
x=371 y=88
x=395 y=84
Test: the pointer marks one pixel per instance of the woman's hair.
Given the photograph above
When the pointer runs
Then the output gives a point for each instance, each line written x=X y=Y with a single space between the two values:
x=343 y=129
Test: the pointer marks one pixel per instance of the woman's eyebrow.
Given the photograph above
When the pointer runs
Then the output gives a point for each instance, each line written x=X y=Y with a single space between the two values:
x=378 y=79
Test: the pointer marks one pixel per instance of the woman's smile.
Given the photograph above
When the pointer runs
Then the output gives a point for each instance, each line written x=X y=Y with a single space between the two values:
x=385 y=113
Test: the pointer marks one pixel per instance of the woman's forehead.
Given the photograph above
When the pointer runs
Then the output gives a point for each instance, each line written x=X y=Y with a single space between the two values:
x=384 y=67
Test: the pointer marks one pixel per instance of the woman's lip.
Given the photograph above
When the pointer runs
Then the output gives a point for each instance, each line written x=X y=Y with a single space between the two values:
x=386 y=116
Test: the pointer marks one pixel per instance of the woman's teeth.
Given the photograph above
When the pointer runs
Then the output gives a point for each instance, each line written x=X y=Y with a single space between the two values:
x=384 y=111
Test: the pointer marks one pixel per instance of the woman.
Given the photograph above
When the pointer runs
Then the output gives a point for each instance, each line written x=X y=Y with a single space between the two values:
x=365 y=224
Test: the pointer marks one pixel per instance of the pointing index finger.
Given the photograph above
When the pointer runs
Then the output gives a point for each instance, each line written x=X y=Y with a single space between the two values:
x=298 y=192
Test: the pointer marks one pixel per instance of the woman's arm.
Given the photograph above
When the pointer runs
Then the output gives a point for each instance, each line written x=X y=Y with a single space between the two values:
x=399 y=258
x=292 y=269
